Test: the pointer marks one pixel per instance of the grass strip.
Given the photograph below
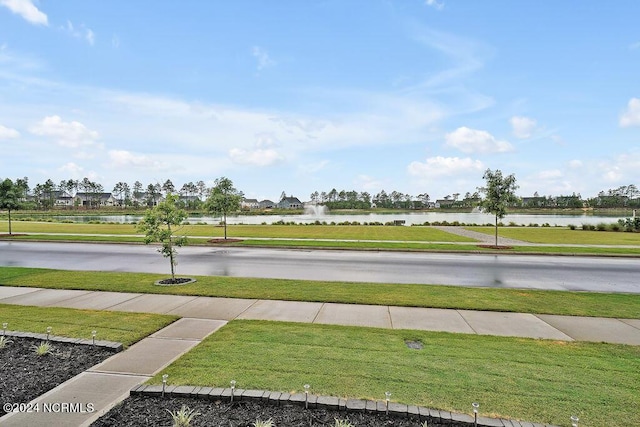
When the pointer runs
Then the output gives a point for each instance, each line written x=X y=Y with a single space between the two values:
x=126 y=328
x=349 y=232
x=410 y=295
x=562 y=235
x=532 y=380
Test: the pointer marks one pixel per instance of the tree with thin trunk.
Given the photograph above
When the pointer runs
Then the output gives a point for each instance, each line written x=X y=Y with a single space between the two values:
x=9 y=197
x=223 y=199
x=157 y=225
x=499 y=193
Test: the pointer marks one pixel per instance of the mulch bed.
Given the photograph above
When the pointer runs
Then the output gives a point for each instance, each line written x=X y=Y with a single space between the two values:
x=25 y=375
x=11 y=235
x=495 y=247
x=154 y=411
x=222 y=241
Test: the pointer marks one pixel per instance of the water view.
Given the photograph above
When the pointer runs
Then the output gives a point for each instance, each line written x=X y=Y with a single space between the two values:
x=415 y=218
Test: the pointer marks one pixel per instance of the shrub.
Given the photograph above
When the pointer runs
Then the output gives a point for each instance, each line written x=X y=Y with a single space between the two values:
x=601 y=226
x=588 y=227
x=183 y=417
x=4 y=341
x=268 y=423
x=615 y=227
x=43 y=349
x=546 y=224
x=572 y=227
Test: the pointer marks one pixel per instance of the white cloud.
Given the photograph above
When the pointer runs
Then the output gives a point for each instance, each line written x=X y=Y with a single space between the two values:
x=631 y=117
x=476 y=141
x=369 y=183
x=435 y=4
x=264 y=60
x=623 y=169
x=8 y=133
x=549 y=174
x=126 y=159
x=575 y=164
x=27 y=10
x=634 y=46
x=445 y=166
x=80 y=33
x=522 y=126
x=256 y=157
x=68 y=134
x=72 y=169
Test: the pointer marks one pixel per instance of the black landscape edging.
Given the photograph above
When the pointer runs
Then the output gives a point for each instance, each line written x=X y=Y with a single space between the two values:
x=277 y=398
x=116 y=346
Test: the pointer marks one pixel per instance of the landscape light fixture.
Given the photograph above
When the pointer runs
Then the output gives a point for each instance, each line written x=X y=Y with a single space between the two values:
x=475 y=406
x=49 y=329
x=574 y=421
x=4 y=329
x=233 y=387
x=164 y=383
x=387 y=396
x=306 y=396
x=93 y=337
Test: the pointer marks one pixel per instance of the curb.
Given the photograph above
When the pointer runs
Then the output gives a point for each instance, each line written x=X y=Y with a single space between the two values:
x=277 y=398
x=116 y=346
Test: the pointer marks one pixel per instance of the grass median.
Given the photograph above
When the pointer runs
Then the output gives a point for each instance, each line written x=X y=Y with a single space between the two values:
x=562 y=235
x=408 y=295
x=126 y=328
x=532 y=380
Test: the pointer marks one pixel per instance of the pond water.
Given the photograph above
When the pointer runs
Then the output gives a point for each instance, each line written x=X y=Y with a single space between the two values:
x=409 y=218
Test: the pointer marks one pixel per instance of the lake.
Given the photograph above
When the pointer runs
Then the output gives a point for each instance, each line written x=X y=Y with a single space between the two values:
x=409 y=218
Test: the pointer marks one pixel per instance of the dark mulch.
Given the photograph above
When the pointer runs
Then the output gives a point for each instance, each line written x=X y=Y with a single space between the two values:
x=153 y=411
x=219 y=241
x=25 y=375
x=11 y=235
x=176 y=281
x=495 y=247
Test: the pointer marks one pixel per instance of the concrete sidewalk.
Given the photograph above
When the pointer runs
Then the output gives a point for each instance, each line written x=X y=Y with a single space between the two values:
x=109 y=382
x=566 y=328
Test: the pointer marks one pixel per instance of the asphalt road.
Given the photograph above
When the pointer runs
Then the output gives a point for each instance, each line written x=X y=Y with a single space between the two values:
x=504 y=271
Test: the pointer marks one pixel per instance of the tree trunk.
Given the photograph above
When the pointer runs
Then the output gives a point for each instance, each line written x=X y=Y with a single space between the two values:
x=9 y=222
x=173 y=277
x=496 y=231
x=225 y=226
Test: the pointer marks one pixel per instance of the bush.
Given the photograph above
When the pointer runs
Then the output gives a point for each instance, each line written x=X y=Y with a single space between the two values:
x=615 y=227
x=546 y=224
x=572 y=227
x=588 y=227
x=601 y=226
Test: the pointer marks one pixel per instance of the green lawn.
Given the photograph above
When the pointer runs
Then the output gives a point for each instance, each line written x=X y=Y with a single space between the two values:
x=532 y=380
x=352 y=232
x=126 y=328
x=492 y=299
x=562 y=235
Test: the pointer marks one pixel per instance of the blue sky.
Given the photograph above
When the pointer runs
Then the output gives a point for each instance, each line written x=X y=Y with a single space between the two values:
x=414 y=95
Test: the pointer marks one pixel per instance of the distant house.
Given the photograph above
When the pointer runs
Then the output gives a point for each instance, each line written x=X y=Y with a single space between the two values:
x=266 y=204
x=94 y=199
x=62 y=198
x=535 y=201
x=147 y=199
x=444 y=203
x=290 y=203
x=249 y=204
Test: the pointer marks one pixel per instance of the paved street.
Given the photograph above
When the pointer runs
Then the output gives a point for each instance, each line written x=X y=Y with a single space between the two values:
x=509 y=271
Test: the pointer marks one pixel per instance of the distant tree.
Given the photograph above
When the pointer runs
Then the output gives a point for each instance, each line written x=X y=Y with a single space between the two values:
x=168 y=187
x=137 y=192
x=9 y=197
x=202 y=189
x=122 y=192
x=153 y=194
x=499 y=193
x=223 y=199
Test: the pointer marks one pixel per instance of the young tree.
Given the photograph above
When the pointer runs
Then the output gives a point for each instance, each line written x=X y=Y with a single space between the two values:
x=9 y=197
x=223 y=199
x=499 y=193
x=157 y=223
